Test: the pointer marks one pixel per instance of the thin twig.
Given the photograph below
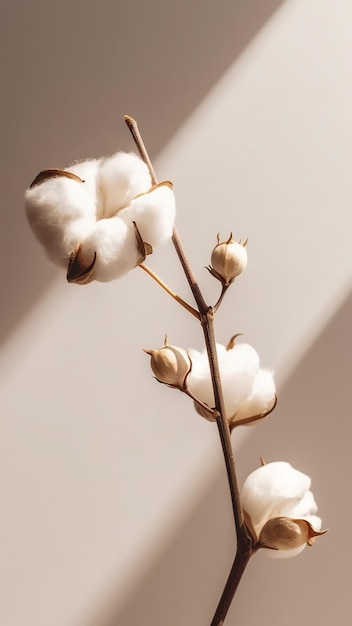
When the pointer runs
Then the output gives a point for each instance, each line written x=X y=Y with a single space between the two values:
x=171 y=293
x=137 y=138
x=221 y=297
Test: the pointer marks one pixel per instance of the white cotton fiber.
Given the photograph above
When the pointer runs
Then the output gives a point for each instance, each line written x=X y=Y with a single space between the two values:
x=154 y=214
x=121 y=177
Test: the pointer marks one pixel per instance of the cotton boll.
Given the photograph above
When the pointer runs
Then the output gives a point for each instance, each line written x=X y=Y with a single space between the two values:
x=154 y=214
x=77 y=215
x=281 y=508
x=115 y=246
x=53 y=205
x=120 y=179
x=238 y=367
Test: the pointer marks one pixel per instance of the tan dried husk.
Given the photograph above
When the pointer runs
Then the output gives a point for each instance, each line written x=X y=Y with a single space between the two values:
x=286 y=533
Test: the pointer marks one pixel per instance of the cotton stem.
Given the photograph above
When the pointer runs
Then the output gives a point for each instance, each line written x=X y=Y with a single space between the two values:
x=239 y=565
x=221 y=297
x=206 y=316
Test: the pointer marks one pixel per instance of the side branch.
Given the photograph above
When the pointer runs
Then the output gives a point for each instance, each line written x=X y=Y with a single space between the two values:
x=171 y=293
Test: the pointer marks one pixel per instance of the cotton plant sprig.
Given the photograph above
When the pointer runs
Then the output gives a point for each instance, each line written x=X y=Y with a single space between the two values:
x=101 y=218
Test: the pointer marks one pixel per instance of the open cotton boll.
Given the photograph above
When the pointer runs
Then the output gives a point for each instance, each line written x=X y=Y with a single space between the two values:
x=95 y=216
x=281 y=508
x=154 y=214
x=238 y=368
x=121 y=178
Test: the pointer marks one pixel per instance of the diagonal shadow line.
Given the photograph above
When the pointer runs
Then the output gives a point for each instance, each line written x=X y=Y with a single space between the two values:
x=184 y=581
x=185 y=48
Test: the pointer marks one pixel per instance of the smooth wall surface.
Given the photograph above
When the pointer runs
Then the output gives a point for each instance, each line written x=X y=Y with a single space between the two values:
x=115 y=508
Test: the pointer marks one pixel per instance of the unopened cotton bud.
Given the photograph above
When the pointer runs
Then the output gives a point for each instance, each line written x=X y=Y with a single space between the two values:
x=285 y=533
x=228 y=260
x=170 y=364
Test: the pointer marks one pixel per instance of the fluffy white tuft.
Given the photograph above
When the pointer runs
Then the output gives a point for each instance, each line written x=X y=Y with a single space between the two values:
x=96 y=216
x=261 y=398
x=121 y=178
x=238 y=368
x=154 y=214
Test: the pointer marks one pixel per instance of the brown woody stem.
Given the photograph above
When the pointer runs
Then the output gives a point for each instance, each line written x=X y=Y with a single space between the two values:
x=237 y=570
x=206 y=316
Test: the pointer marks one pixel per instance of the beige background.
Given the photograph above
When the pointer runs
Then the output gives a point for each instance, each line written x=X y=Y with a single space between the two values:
x=115 y=509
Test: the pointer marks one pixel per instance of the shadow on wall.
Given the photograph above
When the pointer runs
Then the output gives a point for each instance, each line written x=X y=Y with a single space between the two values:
x=312 y=429
x=64 y=101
